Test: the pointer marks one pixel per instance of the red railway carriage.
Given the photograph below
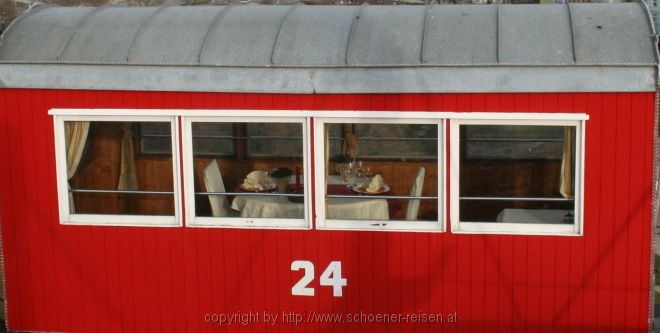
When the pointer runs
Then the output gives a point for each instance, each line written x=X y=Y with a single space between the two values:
x=328 y=168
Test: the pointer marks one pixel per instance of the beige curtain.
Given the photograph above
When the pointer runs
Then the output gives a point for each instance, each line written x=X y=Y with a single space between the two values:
x=350 y=146
x=75 y=135
x=326 y=137
x=567 y=185
x=128 y=173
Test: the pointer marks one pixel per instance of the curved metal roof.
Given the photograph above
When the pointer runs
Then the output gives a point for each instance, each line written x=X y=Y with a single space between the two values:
x=319 y=49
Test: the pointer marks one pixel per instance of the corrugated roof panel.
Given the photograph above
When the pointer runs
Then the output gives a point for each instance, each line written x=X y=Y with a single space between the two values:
x=387 y=35
x=611 y=33
x=41 y=35
x=245 y=36
x=532 y=34
x=330 y=49
x=315 y=36
x=461 y=34
x=174 y=36
x=106 y=35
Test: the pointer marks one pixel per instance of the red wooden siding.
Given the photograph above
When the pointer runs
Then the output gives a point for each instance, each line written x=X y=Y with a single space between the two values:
x=132 y=279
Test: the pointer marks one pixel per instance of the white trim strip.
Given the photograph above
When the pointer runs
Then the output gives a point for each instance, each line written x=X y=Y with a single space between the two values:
x=515 y=229
x=329 y=116
x=373 y=225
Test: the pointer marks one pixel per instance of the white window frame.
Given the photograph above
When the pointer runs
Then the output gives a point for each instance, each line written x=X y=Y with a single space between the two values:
x=244 y=116
x=545 y=119
x=376 y=117
x=60 y=116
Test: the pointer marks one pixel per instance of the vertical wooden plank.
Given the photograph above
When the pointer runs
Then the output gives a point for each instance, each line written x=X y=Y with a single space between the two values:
x=548 y=256
x=68 y=249
x=476 y=274
x=9 y=219
x=575 y=299
x=608 y=202
x=641 y=119
x=563 y=256
x=520 y=256
x=647 y=218
x=29 y=244
x=180 y=298
x=506 y=303
x=533 y=275
x=621 y=221
x=42 y=211
x=465 y=251
x=592 y=209
x=490 y=278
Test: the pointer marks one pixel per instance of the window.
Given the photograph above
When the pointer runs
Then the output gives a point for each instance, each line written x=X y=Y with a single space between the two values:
x=370 y=186
x=255 y=191
x=509 y=173
x=517 y=176
x=100 y=180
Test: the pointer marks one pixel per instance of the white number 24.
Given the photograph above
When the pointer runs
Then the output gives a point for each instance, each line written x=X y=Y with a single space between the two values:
x=331 y=276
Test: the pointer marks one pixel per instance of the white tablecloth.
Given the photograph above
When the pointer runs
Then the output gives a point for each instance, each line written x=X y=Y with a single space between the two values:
x=337 y=208
x=549 y=216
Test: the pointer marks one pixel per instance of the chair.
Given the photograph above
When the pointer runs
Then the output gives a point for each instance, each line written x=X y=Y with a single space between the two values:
x=413 y=204
x=213 y=182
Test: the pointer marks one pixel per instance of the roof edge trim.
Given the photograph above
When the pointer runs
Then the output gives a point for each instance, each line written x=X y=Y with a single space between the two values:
x=471 y=79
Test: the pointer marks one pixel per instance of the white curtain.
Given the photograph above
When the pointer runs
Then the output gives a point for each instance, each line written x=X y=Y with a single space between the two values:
x=567 y=185
x=76 y=135
x=128 y=173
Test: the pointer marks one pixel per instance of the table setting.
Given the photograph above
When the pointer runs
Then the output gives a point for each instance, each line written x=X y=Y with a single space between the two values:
x=279 y=194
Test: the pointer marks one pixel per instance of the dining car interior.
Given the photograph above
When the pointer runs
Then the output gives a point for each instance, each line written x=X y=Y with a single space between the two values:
x=373 y=171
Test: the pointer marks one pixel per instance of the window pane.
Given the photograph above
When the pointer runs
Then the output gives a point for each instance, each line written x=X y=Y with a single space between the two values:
x=155 y=138
x=397 y=140
x=356 y=187
x=517 y=174
x=103 y=167
x=514 y=142
x=254 y=189
x=213 y=138
x=274 y=139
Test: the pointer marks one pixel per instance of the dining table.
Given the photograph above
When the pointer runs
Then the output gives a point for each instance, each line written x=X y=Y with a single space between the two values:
x=359 y=207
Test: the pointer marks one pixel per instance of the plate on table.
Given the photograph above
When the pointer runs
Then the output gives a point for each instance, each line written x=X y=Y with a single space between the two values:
x=362 y=189
x=269 y=188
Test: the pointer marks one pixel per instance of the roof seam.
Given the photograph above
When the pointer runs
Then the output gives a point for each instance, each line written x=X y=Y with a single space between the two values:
x=143 y=26
x=279 y=31
x=33 y=9
x=212 y=27
x=76 y=28
x=354 y=24
x=499 y=29
x=424 y=34
x=570 y=23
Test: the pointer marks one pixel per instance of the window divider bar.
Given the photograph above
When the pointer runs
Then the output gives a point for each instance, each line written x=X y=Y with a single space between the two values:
x=255 y=194
x=120 y=191
x=379 y=197
x=517 y=199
